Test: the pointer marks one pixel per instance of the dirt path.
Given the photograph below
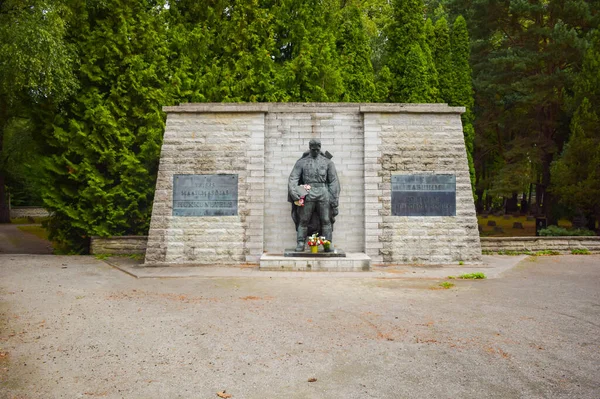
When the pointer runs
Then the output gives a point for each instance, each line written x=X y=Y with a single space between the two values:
x=15 y=241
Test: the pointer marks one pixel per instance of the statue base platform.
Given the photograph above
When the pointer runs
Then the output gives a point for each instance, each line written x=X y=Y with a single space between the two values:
x=336 y=253
x=351 y=262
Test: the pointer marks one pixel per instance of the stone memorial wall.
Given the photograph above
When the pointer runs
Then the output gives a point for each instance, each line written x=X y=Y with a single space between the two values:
x=221 y=194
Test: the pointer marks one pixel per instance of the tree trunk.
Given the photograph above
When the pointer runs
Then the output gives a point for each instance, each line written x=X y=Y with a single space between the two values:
x=488 y=202
x=479 y=202
x=4 y=210
x=548 y=197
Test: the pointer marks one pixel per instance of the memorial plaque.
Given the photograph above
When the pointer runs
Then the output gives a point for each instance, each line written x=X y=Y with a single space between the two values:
x=205 y=195
x=423 y=195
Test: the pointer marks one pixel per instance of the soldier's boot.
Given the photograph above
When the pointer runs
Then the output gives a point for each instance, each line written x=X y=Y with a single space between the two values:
x=300 y=238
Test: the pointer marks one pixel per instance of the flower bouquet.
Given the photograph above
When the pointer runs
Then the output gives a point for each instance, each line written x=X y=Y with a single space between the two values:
x=314 y=241
x=302 y=190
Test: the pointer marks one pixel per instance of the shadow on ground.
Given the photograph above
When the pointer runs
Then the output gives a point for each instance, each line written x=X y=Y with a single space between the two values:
x=15 y=241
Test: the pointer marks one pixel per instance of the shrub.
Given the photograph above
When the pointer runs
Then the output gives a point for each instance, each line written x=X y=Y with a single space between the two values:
x=555 y=231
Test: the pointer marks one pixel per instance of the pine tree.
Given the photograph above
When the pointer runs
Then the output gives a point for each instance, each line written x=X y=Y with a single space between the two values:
x=576 y=174
x=461 y=89
x=355 y=57
x=525 y=56
x=103 y=148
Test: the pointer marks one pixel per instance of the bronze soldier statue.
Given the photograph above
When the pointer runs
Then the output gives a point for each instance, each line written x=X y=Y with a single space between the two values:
x=314 y=190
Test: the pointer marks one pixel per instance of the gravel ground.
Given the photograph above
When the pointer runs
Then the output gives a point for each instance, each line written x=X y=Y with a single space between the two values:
x=75 y=327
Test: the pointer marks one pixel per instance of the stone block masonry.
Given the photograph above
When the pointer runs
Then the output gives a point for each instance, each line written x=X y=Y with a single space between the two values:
x=208 y=143
x=123 y=245
x=137 y=245
x=260 y=144
x=287 y=135
x=28 y=211
x=417 y=143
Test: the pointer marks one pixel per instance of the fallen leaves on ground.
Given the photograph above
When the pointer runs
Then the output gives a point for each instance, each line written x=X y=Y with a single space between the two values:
x=223 y=394
x=312 y=379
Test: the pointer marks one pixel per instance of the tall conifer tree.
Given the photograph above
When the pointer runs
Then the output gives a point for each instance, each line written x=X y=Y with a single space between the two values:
x=442 y=55
x=416 y=87
x=576 y=174
x=355 y=57
x=103 y=149
x=406 y=30
x=462 y=86
x=246 y=40
x=191 y=36
x=306 y=50
x=525 y=56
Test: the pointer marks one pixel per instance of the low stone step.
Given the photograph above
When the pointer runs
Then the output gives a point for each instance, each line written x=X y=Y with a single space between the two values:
x=337 y=253
x=353 y=262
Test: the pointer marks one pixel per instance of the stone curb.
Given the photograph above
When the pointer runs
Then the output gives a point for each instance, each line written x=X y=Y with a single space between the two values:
x=493 y=267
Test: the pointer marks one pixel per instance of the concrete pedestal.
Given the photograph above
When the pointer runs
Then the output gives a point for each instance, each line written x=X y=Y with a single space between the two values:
x=353 y=262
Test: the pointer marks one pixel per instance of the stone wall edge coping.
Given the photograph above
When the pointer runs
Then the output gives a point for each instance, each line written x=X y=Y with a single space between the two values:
x=120 y=238
x=312 y=107
x=543 y=238
x=412 y=108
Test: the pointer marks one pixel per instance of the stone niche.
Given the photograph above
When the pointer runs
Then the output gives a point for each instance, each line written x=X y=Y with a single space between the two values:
x=405 y=190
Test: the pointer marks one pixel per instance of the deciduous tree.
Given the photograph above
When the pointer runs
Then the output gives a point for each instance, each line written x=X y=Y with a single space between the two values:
x=35 y=68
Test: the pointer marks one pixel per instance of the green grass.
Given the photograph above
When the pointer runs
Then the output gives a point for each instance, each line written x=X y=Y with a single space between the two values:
x=582 y=251
x=446 y=285
x=528 y=229
x=472 y=276
x=511 y=253
x=547 y=252
x=36 y=220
